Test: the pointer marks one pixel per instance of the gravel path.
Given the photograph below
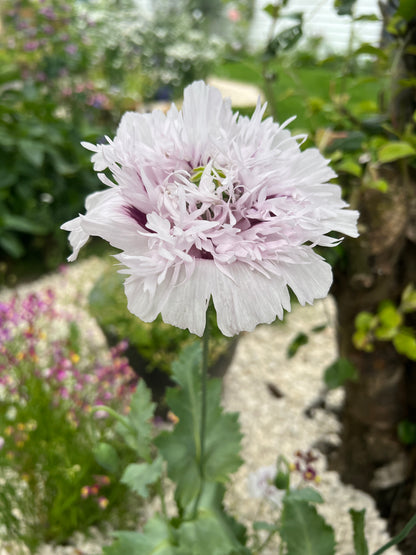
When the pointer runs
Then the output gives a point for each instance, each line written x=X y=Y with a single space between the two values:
x=271 y=425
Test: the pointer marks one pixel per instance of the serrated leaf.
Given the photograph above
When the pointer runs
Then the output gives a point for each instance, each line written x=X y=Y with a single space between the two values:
x=395 y=150
x=204 y=535
x=212 y=502
x=137 y=428
x=405 y=343
x=339 y=372
x=304 y=531
x=307 y=494
x=300 y=339
x=107 y=457
x=155 y=538
x=138 y=476
x=358 y=525
x=181 y=446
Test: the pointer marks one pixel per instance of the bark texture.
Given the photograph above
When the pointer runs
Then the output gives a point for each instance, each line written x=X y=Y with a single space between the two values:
x=379 y=265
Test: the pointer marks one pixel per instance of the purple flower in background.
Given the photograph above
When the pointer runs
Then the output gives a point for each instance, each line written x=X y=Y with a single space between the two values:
x=31 y=45
x=71 y=49
x=209 y=204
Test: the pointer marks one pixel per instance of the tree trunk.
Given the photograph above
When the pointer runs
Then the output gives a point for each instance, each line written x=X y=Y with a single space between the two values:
x=380 y=264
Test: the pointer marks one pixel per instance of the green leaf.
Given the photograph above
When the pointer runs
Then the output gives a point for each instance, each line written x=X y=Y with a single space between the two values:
x=261 y=525
x=408 y=301
x=33 y=151
x=22 y=224
x=358 y=525
x=107 y=457
x=365 y=321
x=405 y=343
x=300 y=339
x=344 y=7
x=378 y=184
x=156 y=538
x=406 y=430
x=12 y=245
x=273 y=10
x=339 y=372
x=181 y=446
x=304 y=531
x=205 y=535
x=388 y=315
x=283 y=41
x=350 y=166
x=307 y=494
x=367 y=17
x=370 y=49
x=394 y=151
x=136 y=427
x=138 y=476
x=407 y=9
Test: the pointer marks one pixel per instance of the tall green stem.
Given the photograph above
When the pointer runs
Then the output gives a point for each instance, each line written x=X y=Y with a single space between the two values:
x=203 y=422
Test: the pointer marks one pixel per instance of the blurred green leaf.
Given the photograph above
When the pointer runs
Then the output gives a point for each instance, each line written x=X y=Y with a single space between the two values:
x=12 y=245
x=408 y=301
x=304 y=531
x=300 y=339
x=22 y=224
x=388 y=315
x=273 y=10
x=367 y=17
x=370 y=50
x=139 y=476
x=157 y=537
x=341 y=371
x=406 y=430
x=348 y=165
x=407 y=9
x=137 y=427
x=405 y=342
x=344 y=7
x=261 y=525
x=304 y=494
x=358 y=525
x=181 y=447
x=365 y=321
x=34 y=152
x=107 y=457
x=394 y=151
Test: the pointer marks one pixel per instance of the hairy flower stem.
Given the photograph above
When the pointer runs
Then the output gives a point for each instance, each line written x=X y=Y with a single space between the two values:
x=204 y=378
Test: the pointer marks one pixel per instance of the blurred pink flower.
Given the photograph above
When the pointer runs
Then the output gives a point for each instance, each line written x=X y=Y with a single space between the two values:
x=208 y=203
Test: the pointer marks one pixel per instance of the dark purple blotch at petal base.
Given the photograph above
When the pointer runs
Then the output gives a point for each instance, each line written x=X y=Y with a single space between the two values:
x=138 y=216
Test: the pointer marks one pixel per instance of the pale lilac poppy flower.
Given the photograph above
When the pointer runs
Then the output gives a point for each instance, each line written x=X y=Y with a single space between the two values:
x=209 y=204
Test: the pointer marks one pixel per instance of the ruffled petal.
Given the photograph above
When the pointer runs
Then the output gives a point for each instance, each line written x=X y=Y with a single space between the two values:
x=310 y=278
